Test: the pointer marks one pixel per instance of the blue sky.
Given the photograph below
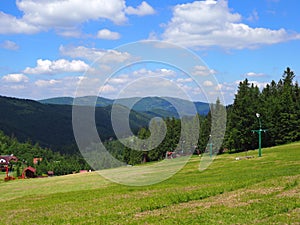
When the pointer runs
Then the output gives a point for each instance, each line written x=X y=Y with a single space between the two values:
x=47 y=46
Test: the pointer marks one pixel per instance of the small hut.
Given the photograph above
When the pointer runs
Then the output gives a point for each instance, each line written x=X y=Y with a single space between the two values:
x=29 y=172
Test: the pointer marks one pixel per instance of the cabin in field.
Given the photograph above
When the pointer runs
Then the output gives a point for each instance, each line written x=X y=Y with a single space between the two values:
x=29 y=172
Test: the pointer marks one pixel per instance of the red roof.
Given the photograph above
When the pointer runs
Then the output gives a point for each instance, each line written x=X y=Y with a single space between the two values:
x=30 y=168
x=5 y=159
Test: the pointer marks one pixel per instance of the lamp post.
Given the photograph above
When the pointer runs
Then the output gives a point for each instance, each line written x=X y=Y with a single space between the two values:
x=259 y=134
x=182 y=142
x=210 y=147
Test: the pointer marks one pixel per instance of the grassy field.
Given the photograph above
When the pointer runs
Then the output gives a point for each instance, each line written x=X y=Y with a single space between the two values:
x=262 y=190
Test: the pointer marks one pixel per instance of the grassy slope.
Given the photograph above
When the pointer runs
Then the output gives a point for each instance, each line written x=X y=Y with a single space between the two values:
x=255 y=191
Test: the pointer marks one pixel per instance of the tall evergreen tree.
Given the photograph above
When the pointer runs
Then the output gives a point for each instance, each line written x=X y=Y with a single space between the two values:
x=242 y=117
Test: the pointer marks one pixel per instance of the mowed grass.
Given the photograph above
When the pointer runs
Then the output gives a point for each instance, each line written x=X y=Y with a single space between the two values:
x=262 y=190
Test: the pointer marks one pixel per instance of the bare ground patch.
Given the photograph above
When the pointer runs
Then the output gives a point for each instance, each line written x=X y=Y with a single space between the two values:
x=233 y=199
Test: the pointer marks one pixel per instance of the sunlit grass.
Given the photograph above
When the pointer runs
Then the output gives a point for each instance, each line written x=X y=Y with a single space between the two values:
x=262 y=190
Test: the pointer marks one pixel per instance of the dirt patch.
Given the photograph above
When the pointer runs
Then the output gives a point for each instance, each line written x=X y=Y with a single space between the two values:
x=228 y=199
x=290 y=193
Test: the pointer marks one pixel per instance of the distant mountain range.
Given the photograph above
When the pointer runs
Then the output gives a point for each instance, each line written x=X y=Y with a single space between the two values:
x=49 y=122
x=153 y=106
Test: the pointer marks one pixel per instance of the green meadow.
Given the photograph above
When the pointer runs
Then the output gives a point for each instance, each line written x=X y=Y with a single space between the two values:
x=259 y=190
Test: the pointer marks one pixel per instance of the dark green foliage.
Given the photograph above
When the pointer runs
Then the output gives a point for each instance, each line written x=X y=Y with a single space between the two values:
x=51 y=125
x=51 y=161
x=181 y=137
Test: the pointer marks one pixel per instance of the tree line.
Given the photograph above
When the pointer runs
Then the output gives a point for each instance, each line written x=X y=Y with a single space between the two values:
x=51 y=161
x=278 y=105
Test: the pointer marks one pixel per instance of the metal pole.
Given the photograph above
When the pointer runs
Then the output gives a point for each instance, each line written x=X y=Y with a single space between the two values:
x=259 y=135
x=210 y=149
x=259 y=143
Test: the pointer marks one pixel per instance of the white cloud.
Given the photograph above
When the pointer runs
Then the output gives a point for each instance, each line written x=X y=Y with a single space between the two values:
x=66 y=16
x=155 y=73
x=107 y=89
x=208 y=83
x=211 y=23
x=119 y=80
x=184 y=80
x=58 y=66
x=94 y=53
x=10 y=45
x=67 y=13
x=11 y=25
x=143 y=9
x=15 y=78
x=203 y=71
x=252 y=74
x=46 y=83
x=260 y=85
x=60 y=15
x=108 y=35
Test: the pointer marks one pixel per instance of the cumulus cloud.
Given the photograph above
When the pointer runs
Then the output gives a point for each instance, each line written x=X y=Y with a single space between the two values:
x=107 y=89
x=154 y=73
x=203 y=71
x=260 y=85
x=122 y=79
x=184 y=80
x=46 y=83
x=10 y=45
x=108 y=35
x=11 y=25
x=252 y=74
x=211 y=23
x=67 y=13
x=64 y=16
x=58 y=66
x=94 y=53
x=143 y=9
x=208 y=83
x=15 y=78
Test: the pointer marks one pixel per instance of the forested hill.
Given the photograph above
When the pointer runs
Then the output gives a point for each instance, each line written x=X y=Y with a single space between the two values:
x=51 y=125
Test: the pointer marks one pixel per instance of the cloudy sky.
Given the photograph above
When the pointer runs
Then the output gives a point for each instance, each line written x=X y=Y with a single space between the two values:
x=49 y=47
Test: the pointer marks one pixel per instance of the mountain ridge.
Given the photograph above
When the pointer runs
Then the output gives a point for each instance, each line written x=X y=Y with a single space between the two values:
x=160 y=106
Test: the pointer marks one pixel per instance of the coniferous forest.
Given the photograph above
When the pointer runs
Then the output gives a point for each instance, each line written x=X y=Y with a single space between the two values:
x=278 y=105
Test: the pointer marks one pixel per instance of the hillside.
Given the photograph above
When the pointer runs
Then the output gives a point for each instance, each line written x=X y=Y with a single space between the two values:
x=261 y=190
x=158 y=106
x=51 y=125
